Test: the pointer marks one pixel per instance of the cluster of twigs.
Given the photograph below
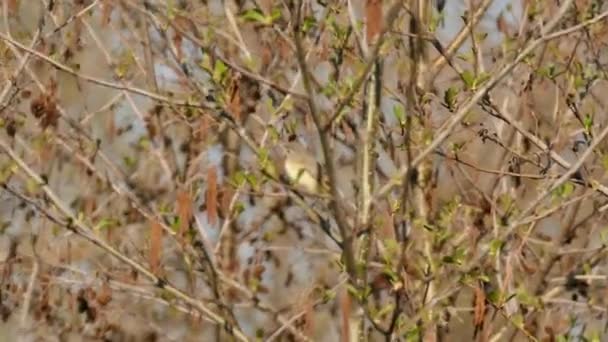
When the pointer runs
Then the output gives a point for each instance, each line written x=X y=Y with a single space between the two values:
x=139 y=170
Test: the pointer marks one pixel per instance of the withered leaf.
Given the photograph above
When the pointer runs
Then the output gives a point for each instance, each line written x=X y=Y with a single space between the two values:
x=184 y=210
x=373 y=16
x=211 y=198
x=156 y=235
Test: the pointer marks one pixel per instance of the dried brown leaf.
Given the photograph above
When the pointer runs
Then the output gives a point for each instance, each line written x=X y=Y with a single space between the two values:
x=345 y=306
x=266 y=55
x=203 y=130
x=284 y=49
x=151 y=126
x=480 y=306
x=373 y=16
x=184 y=210
x=258 y=271
x=430 y=334
x=235 y=106
x=45 y=109
x=502 y=25
x=90 y=204
x=13 y=6
x=106 y=13
x=104 y=296
x=309 y=317
x=262 y=289
x=211 y=199
x=37 y=106
x=226 y=198
x=177 y=41
x=156 y=235
x=528 y=266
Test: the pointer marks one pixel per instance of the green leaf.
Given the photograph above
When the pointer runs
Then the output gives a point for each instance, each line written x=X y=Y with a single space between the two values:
x=495 y=297
x=549 y=71
x=308 y=23
x=588 y=123
x=144 y=143
x=457 y=257
x=457 y=146
x=579 y=81
x=239 y=207
x=254 y=284
x=593 y=336
x=125 y=62
x=360 y=295
x=484 y=278
x=505 y=201
x=269 y=236
x=413 y=334
x=352 y=290
x=254 y=15
x=482 y=78
x=129 y=161
x=469 y=79
x=275 y=15
x=564 y=190
x=205 y=62
x=436 y=20
x=384 y=311
x=274 y=134
x=252 y=180
x=239 y=178
x=266 y=163
x=518 y=320
x=175 y=224
x=105 y=223
x=392 y=246
x=399 y=113
x=4 y=225
x=328 y=295
x=219 y=71
x=391 y=274
x=449 y=97
x=171 y=11
x=329 y=89
x=7 y=171
x=259 y=334
x=442 y=236
x=528 y=299
x=604 y=235
x=495 y=247
x=605 y=161
x=263 y=156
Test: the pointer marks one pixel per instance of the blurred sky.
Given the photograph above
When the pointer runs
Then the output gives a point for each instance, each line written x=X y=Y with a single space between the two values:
x=454 y=9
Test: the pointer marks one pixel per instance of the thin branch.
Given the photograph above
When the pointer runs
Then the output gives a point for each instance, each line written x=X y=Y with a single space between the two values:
x=478 y=95
x=96 y=80
x=392 y=15
x=345 y=232
x=460 y=38
x=77 y=225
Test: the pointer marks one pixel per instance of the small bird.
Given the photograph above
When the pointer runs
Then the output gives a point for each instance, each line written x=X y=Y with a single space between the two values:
x=304 y=171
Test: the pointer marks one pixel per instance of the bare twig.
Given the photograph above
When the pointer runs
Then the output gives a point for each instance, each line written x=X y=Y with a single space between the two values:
x=78 y=226
x=345 y=232
x=481 y=92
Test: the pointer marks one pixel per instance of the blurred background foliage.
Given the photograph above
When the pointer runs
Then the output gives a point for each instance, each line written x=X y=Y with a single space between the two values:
x=143 y=190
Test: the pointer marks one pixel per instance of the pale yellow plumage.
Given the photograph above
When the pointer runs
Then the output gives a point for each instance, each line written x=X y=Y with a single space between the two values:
x=303 y=170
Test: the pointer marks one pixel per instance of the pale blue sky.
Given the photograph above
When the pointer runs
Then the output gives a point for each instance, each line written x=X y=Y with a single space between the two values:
x=454 y=9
